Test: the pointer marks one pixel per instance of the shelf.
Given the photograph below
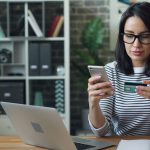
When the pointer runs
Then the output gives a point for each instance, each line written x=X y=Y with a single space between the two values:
x=12 y=78
x=8 y=39
x=35 y=57
x=46 y=78
x=35 y=1
x=46 y=39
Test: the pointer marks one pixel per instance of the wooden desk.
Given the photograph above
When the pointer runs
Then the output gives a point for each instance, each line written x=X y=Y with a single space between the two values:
x=14 y=143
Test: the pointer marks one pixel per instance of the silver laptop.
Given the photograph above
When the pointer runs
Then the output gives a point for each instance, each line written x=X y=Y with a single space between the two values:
x=43 y=127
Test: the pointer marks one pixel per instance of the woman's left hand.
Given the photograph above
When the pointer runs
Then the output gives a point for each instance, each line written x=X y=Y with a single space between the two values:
x=144 y=90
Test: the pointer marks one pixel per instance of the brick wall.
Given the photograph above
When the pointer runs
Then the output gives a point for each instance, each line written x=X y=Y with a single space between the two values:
x=81 y=12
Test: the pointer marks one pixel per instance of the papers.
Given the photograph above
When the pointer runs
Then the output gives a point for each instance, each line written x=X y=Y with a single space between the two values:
x=141 y=144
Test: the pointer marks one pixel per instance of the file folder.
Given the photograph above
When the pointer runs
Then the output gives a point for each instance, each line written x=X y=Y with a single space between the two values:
x=34 y=59
x=34 y=24
x=45 y=59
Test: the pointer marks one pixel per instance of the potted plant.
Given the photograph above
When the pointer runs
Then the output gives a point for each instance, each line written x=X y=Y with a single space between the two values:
x=92 y=39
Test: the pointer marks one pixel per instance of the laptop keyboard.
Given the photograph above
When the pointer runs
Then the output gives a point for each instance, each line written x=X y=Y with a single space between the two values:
x=80 y=146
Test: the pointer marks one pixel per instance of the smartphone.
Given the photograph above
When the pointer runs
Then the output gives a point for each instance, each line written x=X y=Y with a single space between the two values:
x=98 y=70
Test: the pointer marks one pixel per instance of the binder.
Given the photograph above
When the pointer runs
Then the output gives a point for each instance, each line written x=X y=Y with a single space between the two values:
x=19 y=28
x=45 y=59
x=34 y=24
x=58 y=27
x=53 y=26
x=34 y=59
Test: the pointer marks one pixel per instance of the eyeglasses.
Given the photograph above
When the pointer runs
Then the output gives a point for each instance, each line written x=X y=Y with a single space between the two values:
x=130 y=38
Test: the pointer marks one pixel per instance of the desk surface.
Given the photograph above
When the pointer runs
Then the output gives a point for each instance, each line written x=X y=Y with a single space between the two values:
x=14 y=143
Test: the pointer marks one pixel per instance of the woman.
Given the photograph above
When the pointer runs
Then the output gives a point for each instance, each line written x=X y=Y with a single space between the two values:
x=113 y=111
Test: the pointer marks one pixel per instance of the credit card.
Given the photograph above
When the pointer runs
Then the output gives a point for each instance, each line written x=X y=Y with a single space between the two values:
x=130 y=87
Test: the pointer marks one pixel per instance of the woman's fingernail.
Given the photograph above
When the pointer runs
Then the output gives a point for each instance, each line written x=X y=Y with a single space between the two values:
x=97 y=77
x=137 y=89
x=102 y=94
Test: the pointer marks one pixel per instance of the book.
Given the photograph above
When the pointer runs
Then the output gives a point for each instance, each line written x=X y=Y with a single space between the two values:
x=58 y=26
x=53 y=26
x=34 y=24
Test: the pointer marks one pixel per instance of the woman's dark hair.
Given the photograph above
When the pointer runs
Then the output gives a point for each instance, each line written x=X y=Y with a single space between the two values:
x=124 y=63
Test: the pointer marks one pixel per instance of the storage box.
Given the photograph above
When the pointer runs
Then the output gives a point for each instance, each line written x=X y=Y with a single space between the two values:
x=12 y=91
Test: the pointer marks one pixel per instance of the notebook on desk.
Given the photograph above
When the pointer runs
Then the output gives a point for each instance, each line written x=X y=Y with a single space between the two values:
x=43 y=126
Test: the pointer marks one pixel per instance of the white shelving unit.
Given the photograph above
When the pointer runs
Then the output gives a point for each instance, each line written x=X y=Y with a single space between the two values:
x=19 y=42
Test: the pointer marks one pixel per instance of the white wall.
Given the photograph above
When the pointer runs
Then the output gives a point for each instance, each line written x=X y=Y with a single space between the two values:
x=115 y=7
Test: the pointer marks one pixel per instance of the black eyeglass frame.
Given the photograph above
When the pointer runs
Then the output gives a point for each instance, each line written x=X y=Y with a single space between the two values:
x=136 y=37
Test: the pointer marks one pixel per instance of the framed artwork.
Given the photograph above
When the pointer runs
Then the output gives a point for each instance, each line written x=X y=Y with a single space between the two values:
x=117 y=7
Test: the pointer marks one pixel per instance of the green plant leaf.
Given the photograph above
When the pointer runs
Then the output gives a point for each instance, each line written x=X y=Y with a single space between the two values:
x=92 y=39
x=85 y=56
x=93 y=34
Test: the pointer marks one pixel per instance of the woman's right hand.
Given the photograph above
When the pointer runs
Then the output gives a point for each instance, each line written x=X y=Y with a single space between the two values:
x=98 y=90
